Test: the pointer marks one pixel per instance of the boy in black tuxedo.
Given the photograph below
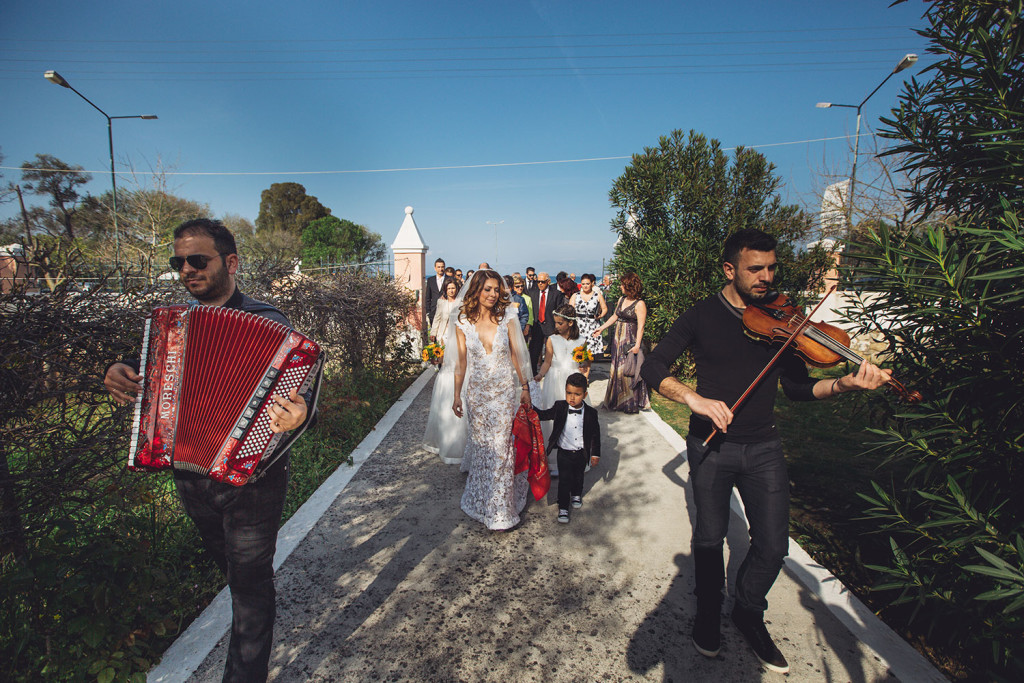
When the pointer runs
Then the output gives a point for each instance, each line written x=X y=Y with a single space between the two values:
x=577 y=436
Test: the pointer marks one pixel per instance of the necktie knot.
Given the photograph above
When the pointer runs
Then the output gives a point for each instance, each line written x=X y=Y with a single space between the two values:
x=575 y=411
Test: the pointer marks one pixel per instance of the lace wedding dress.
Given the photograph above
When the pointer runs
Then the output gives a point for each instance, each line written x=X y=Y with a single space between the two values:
x=493 y=495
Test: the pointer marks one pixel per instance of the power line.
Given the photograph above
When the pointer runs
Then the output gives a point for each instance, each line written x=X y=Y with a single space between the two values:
x=491 y=47
x=392 y=39
x=486 y=69
x=385 y=75
x=409 y=169
x=648 y=45
x=422 y=60
x=400 y=60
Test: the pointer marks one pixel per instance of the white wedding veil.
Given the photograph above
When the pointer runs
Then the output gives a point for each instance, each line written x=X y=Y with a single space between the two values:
x=517 y=342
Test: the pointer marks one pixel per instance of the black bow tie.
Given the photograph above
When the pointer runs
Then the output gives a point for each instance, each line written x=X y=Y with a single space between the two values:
x=575 y=412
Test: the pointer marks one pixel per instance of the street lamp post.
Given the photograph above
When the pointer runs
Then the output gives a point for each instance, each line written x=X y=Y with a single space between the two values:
x=56 y=78
x=495 y=224
x=906 y=62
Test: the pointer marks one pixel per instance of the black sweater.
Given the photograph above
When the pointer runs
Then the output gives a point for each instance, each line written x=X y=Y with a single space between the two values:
x=727 y=362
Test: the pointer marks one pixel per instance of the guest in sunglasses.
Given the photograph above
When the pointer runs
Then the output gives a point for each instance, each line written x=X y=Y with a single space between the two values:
x=545 y=300
x=238 y=524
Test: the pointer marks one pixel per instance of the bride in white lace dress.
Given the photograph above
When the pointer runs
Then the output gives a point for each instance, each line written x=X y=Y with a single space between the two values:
x=493 y=359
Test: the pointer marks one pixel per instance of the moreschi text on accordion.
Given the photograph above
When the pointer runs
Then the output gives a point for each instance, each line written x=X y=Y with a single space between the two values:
x=208 y=375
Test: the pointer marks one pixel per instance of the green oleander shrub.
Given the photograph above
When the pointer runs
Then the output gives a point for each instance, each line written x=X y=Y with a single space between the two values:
x=948 y=299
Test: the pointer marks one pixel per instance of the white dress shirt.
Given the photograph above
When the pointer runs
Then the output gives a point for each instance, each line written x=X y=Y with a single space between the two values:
x=572 y=434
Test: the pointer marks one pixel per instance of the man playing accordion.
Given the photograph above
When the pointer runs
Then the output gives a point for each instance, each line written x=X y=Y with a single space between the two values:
x=238 y=524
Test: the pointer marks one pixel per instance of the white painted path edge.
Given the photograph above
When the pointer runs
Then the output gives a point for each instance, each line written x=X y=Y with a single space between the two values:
x=906 y=663
x=185 y=655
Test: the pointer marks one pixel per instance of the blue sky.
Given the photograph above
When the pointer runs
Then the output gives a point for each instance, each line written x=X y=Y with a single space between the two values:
x=260 y=92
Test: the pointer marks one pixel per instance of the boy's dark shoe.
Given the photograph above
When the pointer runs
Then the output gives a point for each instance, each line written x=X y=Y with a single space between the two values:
x=707 y=627
x=577 y=502
x=563 y=516
x=751 y=625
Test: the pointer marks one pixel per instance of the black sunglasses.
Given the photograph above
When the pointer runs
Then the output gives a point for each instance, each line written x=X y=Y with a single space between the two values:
x=197 y=261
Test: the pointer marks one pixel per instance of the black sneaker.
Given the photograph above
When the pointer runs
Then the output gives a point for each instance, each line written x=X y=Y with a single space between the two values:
x=707 y=631
x=751 y=625
x=563 y=516
x=577 y=502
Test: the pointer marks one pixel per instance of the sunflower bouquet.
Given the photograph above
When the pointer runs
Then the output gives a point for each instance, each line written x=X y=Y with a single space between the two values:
x=582 y=356
x=433 y=353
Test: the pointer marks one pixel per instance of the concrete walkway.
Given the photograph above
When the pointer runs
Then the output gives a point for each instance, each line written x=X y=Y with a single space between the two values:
x=393 y=582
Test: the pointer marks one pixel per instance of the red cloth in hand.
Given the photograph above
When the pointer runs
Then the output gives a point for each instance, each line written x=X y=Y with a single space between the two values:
x=530 y=451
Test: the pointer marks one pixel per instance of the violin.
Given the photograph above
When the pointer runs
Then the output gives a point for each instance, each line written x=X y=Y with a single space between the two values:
x=777 y=319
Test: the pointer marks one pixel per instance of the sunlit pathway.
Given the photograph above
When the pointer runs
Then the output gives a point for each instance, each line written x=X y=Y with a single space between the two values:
x=394 y=582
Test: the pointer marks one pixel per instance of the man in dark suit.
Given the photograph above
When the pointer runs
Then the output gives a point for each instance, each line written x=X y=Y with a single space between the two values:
x=577 y=436
x=432 y=289
x=531 y=280
x=545 y=300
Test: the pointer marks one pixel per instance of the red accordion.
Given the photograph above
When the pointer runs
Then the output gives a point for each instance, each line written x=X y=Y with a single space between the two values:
x=209 y=374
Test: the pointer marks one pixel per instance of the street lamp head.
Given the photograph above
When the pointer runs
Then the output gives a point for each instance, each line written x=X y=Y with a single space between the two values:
x=55 y=77
x=148 y=117
x=823 y=105
x=905 y=63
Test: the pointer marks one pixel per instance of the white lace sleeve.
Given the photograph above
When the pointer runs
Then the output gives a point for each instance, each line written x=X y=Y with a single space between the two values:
x=518 y=349
x=458 y=355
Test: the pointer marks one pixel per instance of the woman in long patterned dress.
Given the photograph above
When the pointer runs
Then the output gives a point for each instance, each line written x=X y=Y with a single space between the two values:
x=591 y=308
x=491 y=351
x=626 y=391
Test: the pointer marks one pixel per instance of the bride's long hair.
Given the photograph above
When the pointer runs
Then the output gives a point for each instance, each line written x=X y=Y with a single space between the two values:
x=471 y=304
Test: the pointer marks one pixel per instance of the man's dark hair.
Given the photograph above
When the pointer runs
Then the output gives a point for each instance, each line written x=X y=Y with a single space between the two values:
x=748 y=238
x=578 y=380
x=440 y=260
x=562 y=275
x=223 y=240
x=529 y=268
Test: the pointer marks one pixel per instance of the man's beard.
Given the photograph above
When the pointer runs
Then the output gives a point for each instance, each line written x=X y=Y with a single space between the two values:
x=751 y=295
x=210 y=288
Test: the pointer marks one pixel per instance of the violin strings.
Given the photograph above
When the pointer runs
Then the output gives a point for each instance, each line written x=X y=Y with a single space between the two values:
x=827 y=341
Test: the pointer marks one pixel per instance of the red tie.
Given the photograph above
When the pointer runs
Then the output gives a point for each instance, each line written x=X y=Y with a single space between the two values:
x=543 y=299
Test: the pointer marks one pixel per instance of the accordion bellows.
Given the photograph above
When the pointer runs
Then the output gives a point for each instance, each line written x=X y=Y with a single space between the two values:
x=209 y=373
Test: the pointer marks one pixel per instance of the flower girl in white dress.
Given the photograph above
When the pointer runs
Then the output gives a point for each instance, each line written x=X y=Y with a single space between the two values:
x=558 y=365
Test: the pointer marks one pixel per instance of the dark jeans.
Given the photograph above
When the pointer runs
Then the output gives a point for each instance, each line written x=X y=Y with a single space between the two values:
x=571 y=466
x=239 y=528
x=758 y=471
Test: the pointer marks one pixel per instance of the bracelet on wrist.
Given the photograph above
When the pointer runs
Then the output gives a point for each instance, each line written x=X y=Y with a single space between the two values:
x=835 y=383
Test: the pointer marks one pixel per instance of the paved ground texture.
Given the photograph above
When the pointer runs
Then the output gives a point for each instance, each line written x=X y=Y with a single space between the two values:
x=395 y=583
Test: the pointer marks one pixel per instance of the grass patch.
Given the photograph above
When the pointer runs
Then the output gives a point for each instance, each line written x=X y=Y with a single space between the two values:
x=349 y=407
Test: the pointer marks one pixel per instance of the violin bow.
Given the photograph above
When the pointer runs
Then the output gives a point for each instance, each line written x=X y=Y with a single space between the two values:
x=800 y=328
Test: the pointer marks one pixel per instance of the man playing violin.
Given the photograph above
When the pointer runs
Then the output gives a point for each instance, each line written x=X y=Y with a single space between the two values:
x=747 y=452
